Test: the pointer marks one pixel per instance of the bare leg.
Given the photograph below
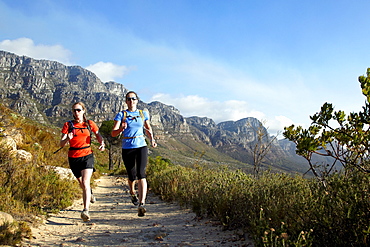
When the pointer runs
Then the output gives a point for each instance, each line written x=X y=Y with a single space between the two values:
x=131 y=185
x=142 y=186
x=84 y=181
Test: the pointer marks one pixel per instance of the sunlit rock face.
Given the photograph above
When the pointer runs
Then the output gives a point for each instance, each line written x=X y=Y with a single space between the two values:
x=45 y=91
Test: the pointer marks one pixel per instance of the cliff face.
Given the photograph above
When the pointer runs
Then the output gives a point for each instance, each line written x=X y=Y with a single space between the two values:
x=44 y=91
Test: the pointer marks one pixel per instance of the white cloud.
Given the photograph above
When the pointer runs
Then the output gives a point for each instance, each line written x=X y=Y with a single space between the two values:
x=108 y=71
x=276 y=90
x=26 y=47
x=276 y=125
x=219 y=111
x=283 y=121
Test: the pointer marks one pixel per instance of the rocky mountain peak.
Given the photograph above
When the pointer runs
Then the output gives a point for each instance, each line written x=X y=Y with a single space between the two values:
x=45 y=90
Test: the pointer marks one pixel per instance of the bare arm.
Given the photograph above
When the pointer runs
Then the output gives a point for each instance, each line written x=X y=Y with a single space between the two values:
x=118 y=128
x=65 y=138
x=100 y=140
x=149 y=133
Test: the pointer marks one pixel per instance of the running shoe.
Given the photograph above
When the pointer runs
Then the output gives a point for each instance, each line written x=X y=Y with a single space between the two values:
x=141 y=210
x=134 y=200
x=93 y=199
x=85 y=215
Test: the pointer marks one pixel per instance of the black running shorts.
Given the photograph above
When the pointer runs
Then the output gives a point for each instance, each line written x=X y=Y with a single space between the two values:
x=81 y=163
x=135 y=161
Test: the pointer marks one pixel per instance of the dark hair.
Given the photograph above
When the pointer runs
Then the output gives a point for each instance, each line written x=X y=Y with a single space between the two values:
x=133 y=93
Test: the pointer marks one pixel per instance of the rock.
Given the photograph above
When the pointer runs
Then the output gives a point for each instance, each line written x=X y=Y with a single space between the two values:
x=39 y=89
x=18 y=138
x=64 y=173
x=8 y=143
x=5 y=218
x=45 y=90
x=21 y=155
x=80 y=239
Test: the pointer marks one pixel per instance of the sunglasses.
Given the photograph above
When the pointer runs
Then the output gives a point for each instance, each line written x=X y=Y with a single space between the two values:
x=132 y=98
x=77 y=110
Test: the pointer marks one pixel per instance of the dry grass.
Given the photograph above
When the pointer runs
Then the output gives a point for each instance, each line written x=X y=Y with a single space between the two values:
x=29 y=189
x=276 y=209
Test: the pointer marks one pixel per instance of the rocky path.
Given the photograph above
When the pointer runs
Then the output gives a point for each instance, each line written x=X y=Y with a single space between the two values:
x=115 y=223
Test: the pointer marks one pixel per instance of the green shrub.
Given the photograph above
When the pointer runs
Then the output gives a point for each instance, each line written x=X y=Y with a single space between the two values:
x=341 y=212
x=31 y=188
x=275 y=209
x=13 y=233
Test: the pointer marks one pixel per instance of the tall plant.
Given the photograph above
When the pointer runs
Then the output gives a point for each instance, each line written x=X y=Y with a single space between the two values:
x=105 y=131
x=261 y=146
x=343 y=138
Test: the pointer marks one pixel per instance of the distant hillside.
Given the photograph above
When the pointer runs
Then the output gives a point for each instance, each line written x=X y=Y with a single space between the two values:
x=44 y=91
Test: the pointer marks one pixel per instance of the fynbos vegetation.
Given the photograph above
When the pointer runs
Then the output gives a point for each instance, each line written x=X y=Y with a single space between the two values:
x=30 y=187
x=274 y=209
x=284 y=210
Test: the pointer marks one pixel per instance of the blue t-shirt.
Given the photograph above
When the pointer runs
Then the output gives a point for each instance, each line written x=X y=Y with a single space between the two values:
x=135 y=128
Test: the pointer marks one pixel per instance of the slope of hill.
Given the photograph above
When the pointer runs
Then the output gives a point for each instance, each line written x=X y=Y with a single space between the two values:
x=44 y=91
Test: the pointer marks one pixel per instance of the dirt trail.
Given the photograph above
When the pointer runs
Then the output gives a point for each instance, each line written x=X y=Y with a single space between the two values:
x=114 y=222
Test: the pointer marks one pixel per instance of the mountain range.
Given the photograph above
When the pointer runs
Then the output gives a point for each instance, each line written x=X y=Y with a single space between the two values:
x=44 y=91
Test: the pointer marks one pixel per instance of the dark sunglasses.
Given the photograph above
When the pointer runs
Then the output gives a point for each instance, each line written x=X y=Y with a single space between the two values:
x=77 y=110
x=132 y=98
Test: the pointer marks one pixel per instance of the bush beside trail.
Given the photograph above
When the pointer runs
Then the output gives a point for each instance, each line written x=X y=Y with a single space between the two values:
x=29 y=190
x=331 y=209
x=275 y=209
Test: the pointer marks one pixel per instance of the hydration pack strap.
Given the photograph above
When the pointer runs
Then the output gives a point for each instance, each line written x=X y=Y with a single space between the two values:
x=72 y=148
x=132 y=137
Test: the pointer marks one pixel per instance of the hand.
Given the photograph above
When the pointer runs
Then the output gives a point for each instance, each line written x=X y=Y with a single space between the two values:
x=124 y=125
x=102 y=147
x=154 y=144
x=70 y=135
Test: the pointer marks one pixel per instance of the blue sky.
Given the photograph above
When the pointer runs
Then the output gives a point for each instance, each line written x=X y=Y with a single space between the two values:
x=278 y=61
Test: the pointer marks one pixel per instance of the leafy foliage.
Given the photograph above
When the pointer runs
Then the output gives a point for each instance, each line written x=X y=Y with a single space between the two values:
x=260 y=147
x=344 y=138
x=12 y=234
x=275 y=209
x=32 y=188
x=113 y=144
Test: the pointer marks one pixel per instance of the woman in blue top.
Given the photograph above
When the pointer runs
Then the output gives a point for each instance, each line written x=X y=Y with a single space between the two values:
x=132 y=123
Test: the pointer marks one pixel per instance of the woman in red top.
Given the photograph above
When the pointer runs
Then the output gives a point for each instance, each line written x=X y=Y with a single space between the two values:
x=80 y=155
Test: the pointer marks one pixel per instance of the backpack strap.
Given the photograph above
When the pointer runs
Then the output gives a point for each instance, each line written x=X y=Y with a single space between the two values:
x=72 y=148
x=70 y=126
x=124 y=119
x=72 y=129
x=89 y=128
x=142 y=115
x=125 y=115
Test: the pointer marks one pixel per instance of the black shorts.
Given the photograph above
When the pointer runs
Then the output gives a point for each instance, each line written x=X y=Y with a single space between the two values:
x=81 y=163
x=135 y=161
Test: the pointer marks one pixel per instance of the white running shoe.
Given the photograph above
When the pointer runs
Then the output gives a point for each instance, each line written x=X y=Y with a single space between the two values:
x=93 y=199
x=141 y=210
x=85 y=215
